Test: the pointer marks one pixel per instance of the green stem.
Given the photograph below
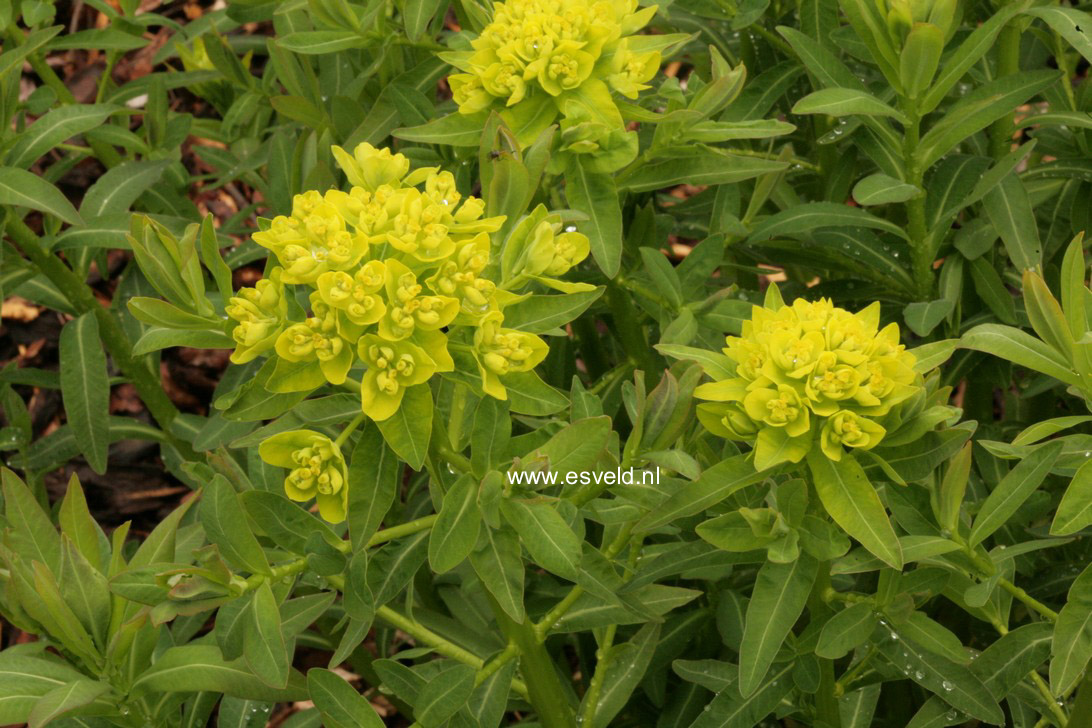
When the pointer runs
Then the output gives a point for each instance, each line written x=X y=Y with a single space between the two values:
x=921 y=254
x=1027 y=600
x=80 y=295
x=349 y=429
x=406 y=529
x=422 y=634
x=457 y=460
x=544 y=625
x=544 y=688
x=510 y=653
x=602 y=663
x=842 y=685
x=1008 y=64
x=826 y=697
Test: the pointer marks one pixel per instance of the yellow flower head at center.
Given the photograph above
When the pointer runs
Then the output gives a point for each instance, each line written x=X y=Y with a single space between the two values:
x=808 y=369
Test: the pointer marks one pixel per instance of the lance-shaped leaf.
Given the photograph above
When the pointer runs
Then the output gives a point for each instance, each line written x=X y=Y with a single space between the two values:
x=852 y=502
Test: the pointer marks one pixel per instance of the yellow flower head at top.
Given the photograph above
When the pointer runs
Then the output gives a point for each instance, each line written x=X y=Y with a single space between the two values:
x=810 y=369
x=541 y=58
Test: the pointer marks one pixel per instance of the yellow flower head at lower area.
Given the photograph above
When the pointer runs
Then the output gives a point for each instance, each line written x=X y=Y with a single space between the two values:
x=810 y=375
x=316 y=469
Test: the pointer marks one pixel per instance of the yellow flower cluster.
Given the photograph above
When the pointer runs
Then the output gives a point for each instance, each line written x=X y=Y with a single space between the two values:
x=541 y=58
x=808 y=372
x=395 y=266
x=316 y=469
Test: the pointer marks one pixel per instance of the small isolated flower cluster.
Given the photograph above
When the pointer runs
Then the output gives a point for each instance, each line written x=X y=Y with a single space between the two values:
x=558 y=56
x=393 y=270
x=808 y=372
x=316 y=469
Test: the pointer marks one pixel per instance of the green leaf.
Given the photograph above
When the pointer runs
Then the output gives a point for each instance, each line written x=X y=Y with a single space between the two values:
x=954 y=683
x=287 y=524
x=455 y=533
x=417 y=15
x=32 y=534
x=973 y=47
x=715 y=364
x=1021 y=348
x=321 y=42
x=626 y=666
x=409 y=429
x=575 y=448
x=980 y=108
x=375 y=475
x=844 y=102
x=65 y=700
x=24 y=679
x=1072 y=644
x=711 y=167
x=548 y=538
x=394 y=565
x=932 y=355
x=529 y=395
x=934 y=637
x=115 y=192
x=54 y=128
x=715 y=484
x=846 y=630
x=1013 y=490
x=443 y=695
x=804 y=219
x=991 y=289
x=1071 y=24
x=778 y=599
x=456 y=130
x=879 y=189
x=13 y=57
x=85 y=388
x=86 y=592
x=77 y=523
x=156 y=338
x=924 y=316
x=729 y=709
x=498 y=562
x=339 y=702
x=226 y=525
x=489 y=700
x=1075 y=511
x=194 y=668
x=596 y=195
x=359 y=601
x=23 y=189
x=491 y=435
x=852 y=502
x=1009 y=209
x=539 y=314
x=263 y=641
x=919 y=58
